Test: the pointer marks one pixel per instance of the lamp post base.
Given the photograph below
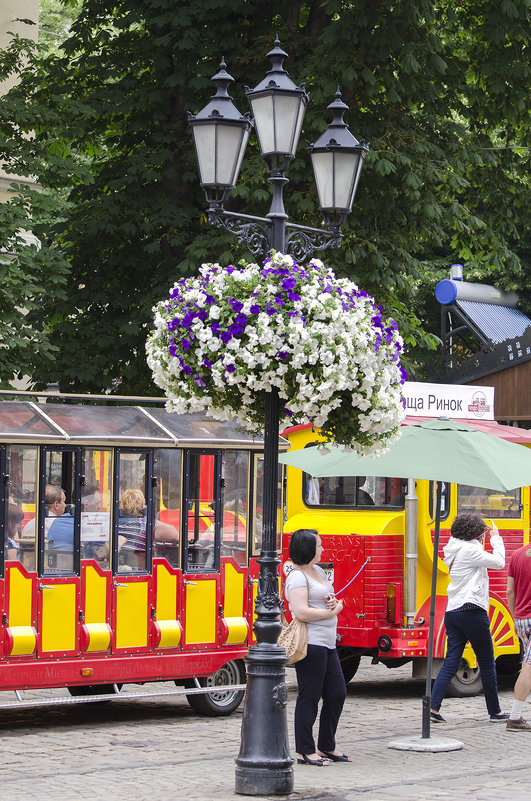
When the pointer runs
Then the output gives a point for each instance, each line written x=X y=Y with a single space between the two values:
x=264 y=764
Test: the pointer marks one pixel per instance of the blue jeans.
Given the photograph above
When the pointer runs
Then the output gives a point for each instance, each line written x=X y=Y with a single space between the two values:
x=471 y=625
x=319 y=675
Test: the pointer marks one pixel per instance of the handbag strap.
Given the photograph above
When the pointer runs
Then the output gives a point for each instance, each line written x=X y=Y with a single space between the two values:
x=284 y=587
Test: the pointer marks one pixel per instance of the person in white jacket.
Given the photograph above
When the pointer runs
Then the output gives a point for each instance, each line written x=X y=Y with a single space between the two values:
x=466 y=617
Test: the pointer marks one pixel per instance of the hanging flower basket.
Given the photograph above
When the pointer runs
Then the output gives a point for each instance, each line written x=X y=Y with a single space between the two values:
x=226 y=337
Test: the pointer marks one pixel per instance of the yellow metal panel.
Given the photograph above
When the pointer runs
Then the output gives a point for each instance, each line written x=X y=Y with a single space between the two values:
x=59 y=618
x=201 y=612
x=238 y=630
x=95 y=596
x=20 y=589
x=233 y=600
x=170 y=633
x=99 y=636
x=166 y=604
x=132 y=615
x=24 y=640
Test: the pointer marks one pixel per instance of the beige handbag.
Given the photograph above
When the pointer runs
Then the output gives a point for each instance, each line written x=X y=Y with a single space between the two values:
x=294 y=636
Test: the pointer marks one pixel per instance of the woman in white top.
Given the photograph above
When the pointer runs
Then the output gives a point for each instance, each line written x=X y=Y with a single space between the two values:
x=466 y=617
x=319 y=675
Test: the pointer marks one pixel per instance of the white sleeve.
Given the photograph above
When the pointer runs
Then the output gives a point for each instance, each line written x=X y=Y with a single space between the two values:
x=494 y=560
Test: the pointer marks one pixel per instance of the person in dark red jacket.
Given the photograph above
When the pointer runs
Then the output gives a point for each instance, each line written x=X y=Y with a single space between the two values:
x=519 y=602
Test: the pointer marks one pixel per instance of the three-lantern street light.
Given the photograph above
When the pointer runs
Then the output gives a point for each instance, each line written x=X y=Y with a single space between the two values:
x=220 y=133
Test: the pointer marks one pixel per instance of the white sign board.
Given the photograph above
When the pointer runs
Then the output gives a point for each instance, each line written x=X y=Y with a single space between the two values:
x=95 y=526
x=448 y=400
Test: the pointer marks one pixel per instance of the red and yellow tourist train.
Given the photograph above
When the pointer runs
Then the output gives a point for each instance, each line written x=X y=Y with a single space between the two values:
x=128 y=550
x=377 y=535
x=130 y=540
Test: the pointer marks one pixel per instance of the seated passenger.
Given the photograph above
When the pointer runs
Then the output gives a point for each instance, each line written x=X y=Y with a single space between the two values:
x=363 y=497
x=132 y=523
x=59 y=523
x=14 y=517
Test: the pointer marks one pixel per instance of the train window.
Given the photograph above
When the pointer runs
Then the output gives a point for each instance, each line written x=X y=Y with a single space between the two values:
x=488 y=503
x=96 y=506
x=235 y=498
x=258 y=505
x=167 y=505
x=354 y=491
x=132 y=520
x=59 y=520
x=202 y=486
x=445 y=499
x=21 y=540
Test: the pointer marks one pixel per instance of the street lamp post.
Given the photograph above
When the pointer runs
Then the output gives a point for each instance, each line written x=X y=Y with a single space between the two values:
x=220 y=132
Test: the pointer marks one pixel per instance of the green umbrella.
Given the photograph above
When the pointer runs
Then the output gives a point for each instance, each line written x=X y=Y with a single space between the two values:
x=436 y=450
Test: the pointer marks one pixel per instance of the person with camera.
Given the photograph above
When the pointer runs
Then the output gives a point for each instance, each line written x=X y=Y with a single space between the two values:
x=466 y=617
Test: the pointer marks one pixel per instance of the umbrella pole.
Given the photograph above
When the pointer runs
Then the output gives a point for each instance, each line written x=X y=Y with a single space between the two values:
x=426 y=701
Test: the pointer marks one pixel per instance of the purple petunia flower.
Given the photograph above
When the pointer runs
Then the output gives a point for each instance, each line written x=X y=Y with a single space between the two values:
x=186 y=344
x=255 y=309
x=230 y=368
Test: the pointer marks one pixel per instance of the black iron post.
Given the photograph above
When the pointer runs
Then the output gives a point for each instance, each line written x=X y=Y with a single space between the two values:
x=426 y=700
x=264 y=764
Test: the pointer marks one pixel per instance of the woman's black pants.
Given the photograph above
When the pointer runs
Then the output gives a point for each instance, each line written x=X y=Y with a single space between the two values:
x=319 y=675
x=462 y=626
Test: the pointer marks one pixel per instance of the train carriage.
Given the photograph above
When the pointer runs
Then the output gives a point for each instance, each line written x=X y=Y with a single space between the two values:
x=377 y=534
x=129 y=549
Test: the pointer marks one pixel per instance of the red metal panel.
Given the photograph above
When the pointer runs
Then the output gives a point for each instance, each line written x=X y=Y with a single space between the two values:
x=22 y=673
x=2 y=610
x=386 y=565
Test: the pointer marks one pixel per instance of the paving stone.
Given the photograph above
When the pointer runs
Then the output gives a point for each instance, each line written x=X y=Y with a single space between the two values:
x=159 y=749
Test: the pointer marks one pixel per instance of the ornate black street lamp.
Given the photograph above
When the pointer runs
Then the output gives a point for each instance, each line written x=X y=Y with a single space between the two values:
x=264 y=764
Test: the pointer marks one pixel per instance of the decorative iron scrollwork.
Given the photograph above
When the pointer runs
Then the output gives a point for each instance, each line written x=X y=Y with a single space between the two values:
x=302 y=244
x=267 y=595
x=253 y=235
x=280 y=695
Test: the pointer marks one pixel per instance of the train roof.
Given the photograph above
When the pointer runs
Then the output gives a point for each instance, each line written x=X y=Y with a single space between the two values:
x=510 y=433
x=132 y=426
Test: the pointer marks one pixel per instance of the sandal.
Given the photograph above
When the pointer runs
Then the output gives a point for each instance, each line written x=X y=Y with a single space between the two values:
x=336 y=757
x=319 y=763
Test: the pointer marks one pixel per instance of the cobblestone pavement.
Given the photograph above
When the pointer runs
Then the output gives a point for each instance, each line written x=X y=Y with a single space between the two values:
x=156 y=750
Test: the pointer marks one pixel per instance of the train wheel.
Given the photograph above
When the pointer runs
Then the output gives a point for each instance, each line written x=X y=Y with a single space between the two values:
x=350 y=662
x=466 y=682
x=219 y=701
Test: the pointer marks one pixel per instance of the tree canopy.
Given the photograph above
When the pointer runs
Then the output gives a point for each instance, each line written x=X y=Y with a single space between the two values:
x=437 y=87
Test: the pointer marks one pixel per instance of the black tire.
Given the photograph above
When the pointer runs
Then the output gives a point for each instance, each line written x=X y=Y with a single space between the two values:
x=222 y=702
x=466 y=682
x=350 y=662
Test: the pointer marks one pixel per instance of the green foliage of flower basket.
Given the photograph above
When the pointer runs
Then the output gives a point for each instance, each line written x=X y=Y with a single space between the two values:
x=226 y=337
